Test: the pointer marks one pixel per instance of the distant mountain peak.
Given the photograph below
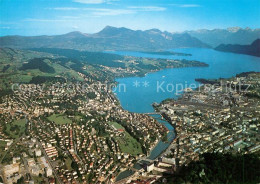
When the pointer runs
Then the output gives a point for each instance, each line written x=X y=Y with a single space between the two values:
x=156 y=31
x=202 y=30
x=234 y=29
x=109 y=38
x=113 y=28
x=232 y=35
x=75 y=34
x=108 y=27
x=112 y=31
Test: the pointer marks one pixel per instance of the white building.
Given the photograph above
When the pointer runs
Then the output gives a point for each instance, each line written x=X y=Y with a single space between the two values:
x=48 y=171
x=38 y=153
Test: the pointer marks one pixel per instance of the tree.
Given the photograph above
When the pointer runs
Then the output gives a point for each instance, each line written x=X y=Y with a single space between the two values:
x=20 y=180
x=221 y=168
x=74 y=165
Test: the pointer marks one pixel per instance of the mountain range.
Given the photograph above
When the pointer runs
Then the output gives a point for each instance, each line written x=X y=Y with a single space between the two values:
x=253 y=49
x=233 y=35
x=110 y=38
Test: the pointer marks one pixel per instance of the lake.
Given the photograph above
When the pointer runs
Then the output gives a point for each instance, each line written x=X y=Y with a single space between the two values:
x=138 y=98
x=141 y=92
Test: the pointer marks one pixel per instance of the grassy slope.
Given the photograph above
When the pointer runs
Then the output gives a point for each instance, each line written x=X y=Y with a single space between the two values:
x=14 y=66
x=59 y=119
x=15 y=59
x=18 y=131
x=127 y=143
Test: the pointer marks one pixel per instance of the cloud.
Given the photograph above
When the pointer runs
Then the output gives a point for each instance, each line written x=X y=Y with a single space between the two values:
x=109 y=12
x=45 y=20
x=64 y=8
x=93 y=1
x=69 y=17
x=98 y=12
x=147 y=8
x=75 y=27
x=129 y=10
x=186 y=5
x=189 y=5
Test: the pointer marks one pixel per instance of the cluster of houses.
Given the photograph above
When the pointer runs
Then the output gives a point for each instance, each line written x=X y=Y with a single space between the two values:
x=98 y=157
x=27 y=165
x=217 y=121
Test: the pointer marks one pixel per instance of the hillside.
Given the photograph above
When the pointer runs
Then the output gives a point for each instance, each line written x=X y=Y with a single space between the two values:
x=23 y=66
x=38 y=63
x=47 y=64
x=110 y=38
x=253 y=49
x=220 y=168
x=235 y=35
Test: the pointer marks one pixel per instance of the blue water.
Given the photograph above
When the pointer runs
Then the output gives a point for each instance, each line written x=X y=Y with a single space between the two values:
x=139 y=98
x=221 y=64
x=161 y=146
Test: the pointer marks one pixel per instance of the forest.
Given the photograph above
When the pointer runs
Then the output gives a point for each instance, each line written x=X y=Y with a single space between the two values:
x=38 y=63
x=220 y=168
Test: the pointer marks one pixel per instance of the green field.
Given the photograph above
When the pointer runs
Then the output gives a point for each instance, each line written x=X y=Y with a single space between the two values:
x=14 y=60
x=68 y=162
x=16 y=128
x=149 y=62
x=127 y=143
x=2 y=144
x=20 y=122
x=59 y=119
x=116 y=125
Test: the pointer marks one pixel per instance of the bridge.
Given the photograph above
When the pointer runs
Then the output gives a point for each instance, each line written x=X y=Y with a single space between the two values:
x=172 y=108
x=152 y=113
x=145 y=159
x=124 y=180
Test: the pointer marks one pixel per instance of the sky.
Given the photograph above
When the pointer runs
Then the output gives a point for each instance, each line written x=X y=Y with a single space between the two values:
x=52 y=17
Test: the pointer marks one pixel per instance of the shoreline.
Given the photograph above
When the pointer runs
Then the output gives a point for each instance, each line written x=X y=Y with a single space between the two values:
x=168 y=121
x=154 y=71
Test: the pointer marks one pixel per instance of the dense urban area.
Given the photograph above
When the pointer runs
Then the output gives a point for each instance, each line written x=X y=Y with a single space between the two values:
x=67 y=126
x=221 y=116
x=129 y=92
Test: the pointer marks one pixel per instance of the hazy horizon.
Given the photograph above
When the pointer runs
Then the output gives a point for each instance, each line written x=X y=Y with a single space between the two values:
x=134 y=30
x=46 y=17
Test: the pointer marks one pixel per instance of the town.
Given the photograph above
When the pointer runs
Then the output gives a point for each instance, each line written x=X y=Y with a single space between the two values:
x=221 y=116
x=54 y=143
x=129 y=92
